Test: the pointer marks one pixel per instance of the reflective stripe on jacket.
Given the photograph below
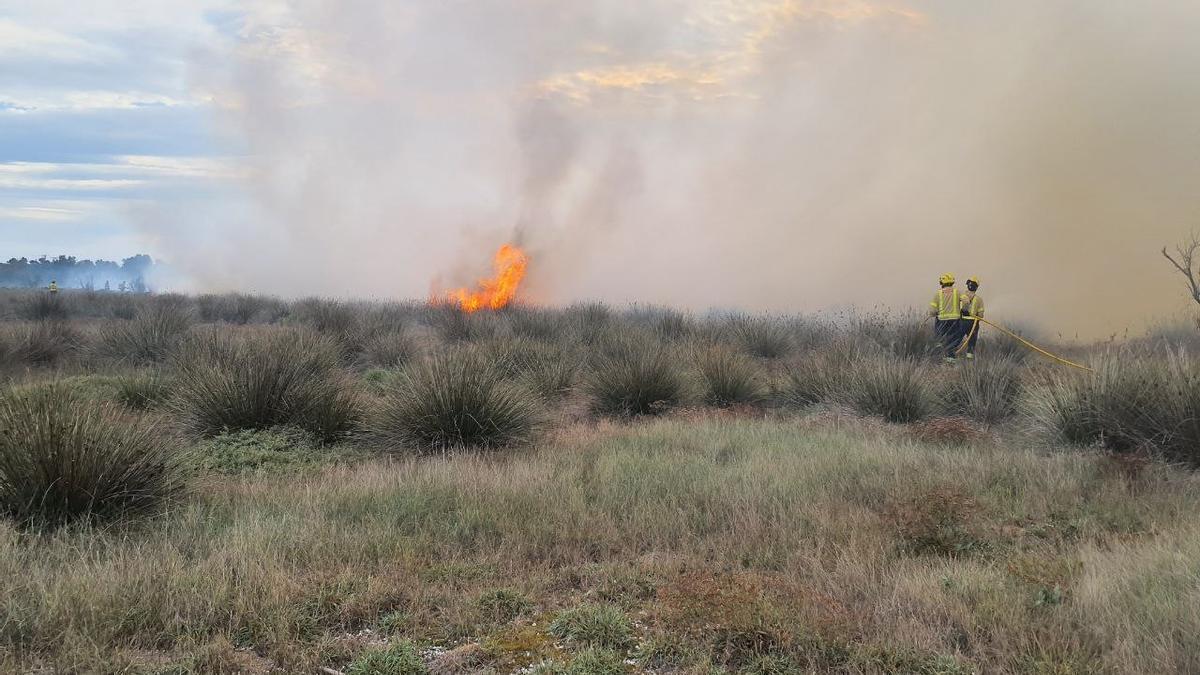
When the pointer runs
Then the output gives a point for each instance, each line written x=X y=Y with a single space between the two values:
x=947 y=304
x=973 y=304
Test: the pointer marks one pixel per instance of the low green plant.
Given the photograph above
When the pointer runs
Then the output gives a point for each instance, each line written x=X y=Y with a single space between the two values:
x=603 y=626
x=65 y=458
x=504 y=604
x=399 y=658
x=596 y=661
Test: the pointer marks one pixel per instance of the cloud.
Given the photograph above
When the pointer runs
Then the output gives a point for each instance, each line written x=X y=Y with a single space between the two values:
x=23 y=42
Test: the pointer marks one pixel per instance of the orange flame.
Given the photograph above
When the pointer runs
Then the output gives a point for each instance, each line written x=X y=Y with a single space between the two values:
x=495 y=292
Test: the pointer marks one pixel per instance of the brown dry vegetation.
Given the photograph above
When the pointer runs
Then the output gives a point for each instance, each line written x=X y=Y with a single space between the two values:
x=795 y=531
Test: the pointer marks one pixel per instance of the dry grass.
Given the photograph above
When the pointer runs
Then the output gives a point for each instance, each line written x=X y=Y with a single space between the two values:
x=287 y=565
x=783 y=541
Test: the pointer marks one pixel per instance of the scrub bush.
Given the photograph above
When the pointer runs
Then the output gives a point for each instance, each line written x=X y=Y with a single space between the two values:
x=41 y=343
x=898 y=390
x=44 y=306
x=764 y=337
x=729 y=378
x=149 y=337
x=143 y=391
x=635 y=378
x=390 y=349
x=276 y=377
x=455 y=399
x=65 y=458
x=1129 y=404
x=985 y=390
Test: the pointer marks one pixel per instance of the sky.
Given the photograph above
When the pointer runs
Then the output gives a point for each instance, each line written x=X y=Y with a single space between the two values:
x=773 y=155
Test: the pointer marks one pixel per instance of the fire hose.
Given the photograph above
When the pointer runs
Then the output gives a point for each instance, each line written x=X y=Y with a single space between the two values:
x=976 y=320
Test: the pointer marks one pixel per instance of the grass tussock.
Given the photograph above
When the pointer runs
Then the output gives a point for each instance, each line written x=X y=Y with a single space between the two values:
x=143 y=390
x=635 y=378
x=730 y=378
x=454 y=400
x=65 y=459
x=763 y=337
x=40 y=344
x=149 y=337
x=263 y=379
x=898 y=390
x=1131 y=403
x=986 y=390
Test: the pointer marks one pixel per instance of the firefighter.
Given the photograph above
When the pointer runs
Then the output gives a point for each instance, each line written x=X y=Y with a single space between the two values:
x=972 y=310
x=53 y=287
x=946 y=309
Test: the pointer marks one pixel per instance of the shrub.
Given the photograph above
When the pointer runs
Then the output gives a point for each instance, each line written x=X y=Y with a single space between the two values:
x=985 y=390
x=455 y=399
x=589 y=320
x=539 y=324
x=636 y=378
x=595 y=626
x=236 y=308
x=455 y=325
x=813 y=380
x=399 y=658
x=908 y=336
x=729 y=378
x=142 y=391
x=1129 y=404
x=390 y=349
x=330 y=317
x=148 y=338
x=277 y=377
x=43 y=343
x=43 y=306
x=898 y=390
x=65 y=458
x=763 y=337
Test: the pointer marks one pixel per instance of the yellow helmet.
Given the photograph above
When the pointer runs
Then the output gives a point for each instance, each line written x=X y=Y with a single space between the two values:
x=973 y=280
x=946 y=278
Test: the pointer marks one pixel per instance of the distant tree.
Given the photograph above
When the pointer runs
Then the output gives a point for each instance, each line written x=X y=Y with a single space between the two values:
x=1184 y=260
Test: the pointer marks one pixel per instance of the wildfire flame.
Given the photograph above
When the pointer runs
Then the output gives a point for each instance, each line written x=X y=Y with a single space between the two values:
x=497 y=291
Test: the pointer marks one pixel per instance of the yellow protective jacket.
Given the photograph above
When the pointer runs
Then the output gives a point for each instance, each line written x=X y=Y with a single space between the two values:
x=53 y=287
x=946 y=305
x=972 y=305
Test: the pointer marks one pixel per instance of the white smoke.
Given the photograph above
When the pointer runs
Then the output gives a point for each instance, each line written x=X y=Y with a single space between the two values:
x=772 y=155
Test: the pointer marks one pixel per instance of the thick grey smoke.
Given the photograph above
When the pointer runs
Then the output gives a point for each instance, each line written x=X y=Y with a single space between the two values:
x=781 y=155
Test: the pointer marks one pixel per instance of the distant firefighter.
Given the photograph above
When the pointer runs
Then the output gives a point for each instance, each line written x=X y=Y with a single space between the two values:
x=53 y=287
x=972 y=311
x=946 y=309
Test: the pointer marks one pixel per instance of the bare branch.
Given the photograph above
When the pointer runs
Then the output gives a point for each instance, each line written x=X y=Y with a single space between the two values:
x=1186 y=264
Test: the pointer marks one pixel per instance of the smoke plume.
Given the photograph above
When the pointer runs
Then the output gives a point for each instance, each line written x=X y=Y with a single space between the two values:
x=781 y=155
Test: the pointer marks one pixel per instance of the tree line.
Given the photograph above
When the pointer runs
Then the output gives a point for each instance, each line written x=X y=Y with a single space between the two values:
x=131 y=274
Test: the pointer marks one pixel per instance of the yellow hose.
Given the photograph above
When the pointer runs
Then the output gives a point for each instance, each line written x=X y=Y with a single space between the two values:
x=1018 y=338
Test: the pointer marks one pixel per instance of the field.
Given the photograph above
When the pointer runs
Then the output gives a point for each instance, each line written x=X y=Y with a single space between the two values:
x=237 y=484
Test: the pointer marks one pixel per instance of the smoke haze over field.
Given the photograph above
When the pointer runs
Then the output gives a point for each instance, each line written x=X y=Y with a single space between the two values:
x=774 y=155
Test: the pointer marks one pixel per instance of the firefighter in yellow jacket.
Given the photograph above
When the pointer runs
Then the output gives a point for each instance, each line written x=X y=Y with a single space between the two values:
x=972 y=309
x=946 y=309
